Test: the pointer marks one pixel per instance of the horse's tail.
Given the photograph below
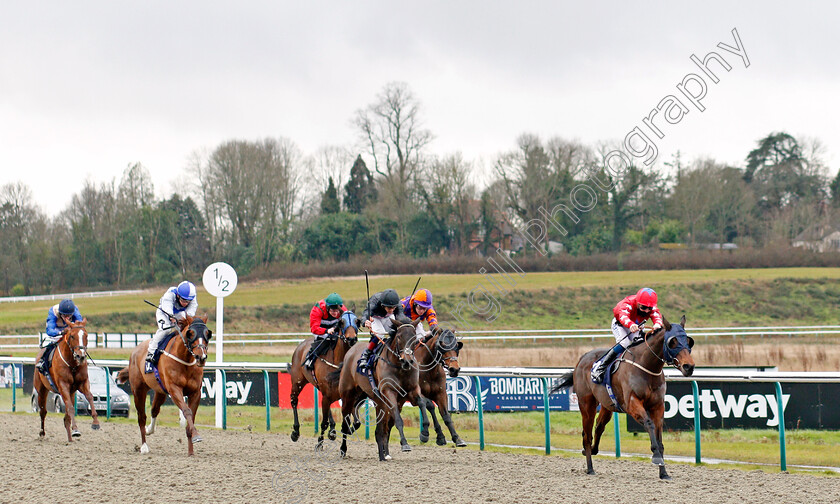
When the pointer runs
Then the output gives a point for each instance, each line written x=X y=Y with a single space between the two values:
x=333 y=377
x=565 y=381
x=122 y=376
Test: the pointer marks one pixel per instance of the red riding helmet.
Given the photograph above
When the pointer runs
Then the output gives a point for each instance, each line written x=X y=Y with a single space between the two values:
x=646 y=297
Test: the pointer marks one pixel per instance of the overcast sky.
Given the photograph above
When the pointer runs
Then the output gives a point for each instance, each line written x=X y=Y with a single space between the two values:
x=88 y=87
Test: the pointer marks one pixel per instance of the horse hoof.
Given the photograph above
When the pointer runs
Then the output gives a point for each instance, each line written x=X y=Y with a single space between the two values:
x=295 y=436
x=144 y=449
x=342 y=454
x=590 y=471
x=387 y=458
x=441 y=441
x=95 y=426
x=76 y=433
x=332 y=435
x=460 y=443
x=42 y=434
x=406 y=448
x=657 y=460
x=356 y=425
x=424 y=438
x=196 y=439
x=319 y=446
x=665 y=477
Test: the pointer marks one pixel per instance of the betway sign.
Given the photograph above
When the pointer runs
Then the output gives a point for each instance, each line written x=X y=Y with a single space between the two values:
x=724 y=405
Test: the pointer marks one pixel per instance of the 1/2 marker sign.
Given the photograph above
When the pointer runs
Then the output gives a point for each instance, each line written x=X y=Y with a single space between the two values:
x=220 y=279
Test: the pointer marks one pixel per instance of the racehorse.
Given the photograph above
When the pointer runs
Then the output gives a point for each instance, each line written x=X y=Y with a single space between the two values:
x=180 y=369
x=639 y=387
x=396 y=376
x=434 y=358
x=69 y=373
x=329 y=361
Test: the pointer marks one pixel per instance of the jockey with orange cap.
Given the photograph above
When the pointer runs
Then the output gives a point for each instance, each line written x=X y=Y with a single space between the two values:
x=419 y=306
x=630 y=313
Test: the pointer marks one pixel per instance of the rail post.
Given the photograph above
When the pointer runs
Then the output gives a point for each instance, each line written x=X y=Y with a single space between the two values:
x=480 y=413
x=223 y=391
x=781 y=415
x=315 y=401
x=367 y=418
x=107 y=393
x=696 y=394
x=14 y=386
x=267 y=402
x=547 y=417
x=617 y=430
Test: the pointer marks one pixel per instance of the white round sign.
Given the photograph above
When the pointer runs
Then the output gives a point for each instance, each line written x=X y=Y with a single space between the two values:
x=220 y=279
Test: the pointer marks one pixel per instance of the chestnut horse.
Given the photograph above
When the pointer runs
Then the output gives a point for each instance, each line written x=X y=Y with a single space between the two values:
x=396 y=375
x=434 y=358
x=638 y=385
x=69 y=373
x=181 y=370
x=329 y=361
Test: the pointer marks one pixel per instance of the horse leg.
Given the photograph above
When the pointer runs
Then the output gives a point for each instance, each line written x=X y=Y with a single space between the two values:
x=297 y=386
x=69 y=420
x=85 y=388
x=604 y=417
x=587 y=404
x=140 y=392
x=325 y=419
x=424 y=419
x=447 y=420
x=195 y=400
x=397 y=420
x=636 y=409
x=347 y=411
x=42 y=402
x=157 y=402
x=657 y=413
x=177 y=396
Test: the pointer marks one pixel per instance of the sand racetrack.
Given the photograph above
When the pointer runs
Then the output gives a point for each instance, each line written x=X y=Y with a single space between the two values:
x=241 y=466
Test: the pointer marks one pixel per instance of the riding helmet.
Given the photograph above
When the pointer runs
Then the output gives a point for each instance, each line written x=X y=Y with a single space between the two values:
x=334 y=300
x=390 y=298
x=422 y=298
x=66 y=307
x=646 y=297
x=186 y=290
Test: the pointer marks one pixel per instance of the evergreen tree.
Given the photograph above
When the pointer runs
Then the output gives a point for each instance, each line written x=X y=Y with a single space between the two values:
x=359 y=191
x=329 y=202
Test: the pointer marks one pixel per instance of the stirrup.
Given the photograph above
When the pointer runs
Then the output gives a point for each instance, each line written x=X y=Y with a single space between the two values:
x=597 y=373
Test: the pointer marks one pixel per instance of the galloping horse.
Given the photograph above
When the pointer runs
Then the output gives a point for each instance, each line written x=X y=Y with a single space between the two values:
x=638 y=385
x=434 y=357
x=180 y=370
x=69 y=373
x=396 y=376
x=328 y=362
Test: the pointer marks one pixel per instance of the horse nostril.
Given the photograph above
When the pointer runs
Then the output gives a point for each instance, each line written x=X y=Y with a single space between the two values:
x=688 y=369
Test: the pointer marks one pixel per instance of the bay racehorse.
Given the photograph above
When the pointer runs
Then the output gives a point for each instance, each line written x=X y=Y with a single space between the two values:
x=434 y=358
x=69 y=372
x=396 y=375
x=638 y=385
x=180 y=370
x=329 y=361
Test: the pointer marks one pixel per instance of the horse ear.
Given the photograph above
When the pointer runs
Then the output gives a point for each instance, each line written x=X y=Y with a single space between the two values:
x=352 y=307
x=682 y=321
x=84 y=321
x=204 y=318
x=415 y=322
x=665 y=323
x=460 y=345
x=209 y=334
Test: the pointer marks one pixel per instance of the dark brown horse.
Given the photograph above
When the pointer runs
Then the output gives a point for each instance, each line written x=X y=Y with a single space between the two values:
x=434 y=358
x=181 y=370
x=328 y=362
x=69 y=373
x=396 y=375
x=638 y=385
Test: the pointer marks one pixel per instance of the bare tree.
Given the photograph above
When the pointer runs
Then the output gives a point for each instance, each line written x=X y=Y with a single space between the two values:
x=18 y=212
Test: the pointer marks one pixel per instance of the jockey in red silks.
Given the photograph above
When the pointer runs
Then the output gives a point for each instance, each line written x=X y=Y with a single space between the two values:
x=630 y=313
x=419 y=306
x=323 y=322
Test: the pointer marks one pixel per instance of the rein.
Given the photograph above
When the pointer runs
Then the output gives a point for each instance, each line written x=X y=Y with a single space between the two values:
x=407 y=351
x=672 y=362
x=72 y=368
x=188 y=347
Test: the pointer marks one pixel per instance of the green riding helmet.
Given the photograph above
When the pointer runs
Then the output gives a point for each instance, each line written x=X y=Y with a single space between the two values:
x=334 y=300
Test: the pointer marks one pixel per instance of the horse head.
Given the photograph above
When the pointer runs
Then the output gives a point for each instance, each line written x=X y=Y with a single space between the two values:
x=403 y=337
x=196 y=336
x=677 y=347
x=77 y=339
x=446 y=348
x=348 y=328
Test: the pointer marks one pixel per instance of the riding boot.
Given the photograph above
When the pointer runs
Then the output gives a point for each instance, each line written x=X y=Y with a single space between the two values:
x=603 y=364
x=309 y=362
x=363 y=366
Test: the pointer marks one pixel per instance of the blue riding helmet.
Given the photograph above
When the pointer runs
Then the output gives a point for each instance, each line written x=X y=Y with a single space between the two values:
x=186 y=290
x=66 y=307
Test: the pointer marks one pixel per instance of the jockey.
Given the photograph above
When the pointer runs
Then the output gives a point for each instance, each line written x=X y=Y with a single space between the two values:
x=59 y=318
x=630 y=313
x=380 y=313
x=323 y=322
x=419 y=306
x=177 y=301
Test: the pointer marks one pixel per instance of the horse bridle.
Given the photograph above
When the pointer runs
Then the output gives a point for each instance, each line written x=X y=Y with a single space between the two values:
x=674 y=361
x=73 y=349
x=405 y=364
x=189 y=343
